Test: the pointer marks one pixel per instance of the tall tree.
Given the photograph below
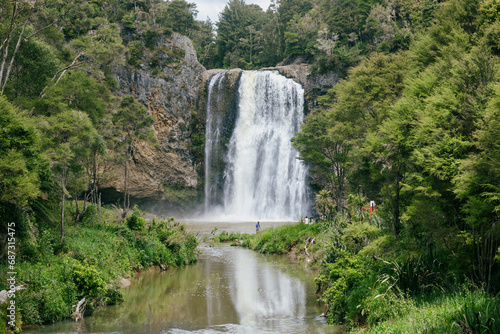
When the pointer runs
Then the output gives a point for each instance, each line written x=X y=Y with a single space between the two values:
x=323 y=148
x=26 y=20
x=235 y=38
x=68 y=136
x=133 y=123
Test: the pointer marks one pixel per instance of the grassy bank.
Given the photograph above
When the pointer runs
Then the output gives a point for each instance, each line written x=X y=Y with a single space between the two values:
x=299 y=240
x=93 y=258
x=464 y=310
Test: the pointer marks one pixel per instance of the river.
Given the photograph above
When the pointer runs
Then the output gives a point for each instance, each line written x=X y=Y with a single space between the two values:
x=229 y=290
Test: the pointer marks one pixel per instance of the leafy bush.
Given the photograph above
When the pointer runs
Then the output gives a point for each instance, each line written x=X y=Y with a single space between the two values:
x=135 y=222
x=345 y=284
x=89 y=281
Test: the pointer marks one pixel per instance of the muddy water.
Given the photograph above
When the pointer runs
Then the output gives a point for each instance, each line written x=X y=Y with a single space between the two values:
x=229 y=290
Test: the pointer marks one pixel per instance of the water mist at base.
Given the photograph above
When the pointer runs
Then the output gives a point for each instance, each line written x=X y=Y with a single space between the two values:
x=251 y=167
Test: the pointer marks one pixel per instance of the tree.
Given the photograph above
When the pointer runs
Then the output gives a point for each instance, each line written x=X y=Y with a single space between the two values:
x=134 y=124
x=19 y=181
x=477 y=183
x=35 y=64
x=322 y=147
x=27 y=19
x=178 y=15
x=235 y=39
x=204 y=40
x=68 y=138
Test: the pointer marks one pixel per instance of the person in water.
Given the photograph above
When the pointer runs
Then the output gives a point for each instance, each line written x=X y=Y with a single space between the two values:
x=257 y=227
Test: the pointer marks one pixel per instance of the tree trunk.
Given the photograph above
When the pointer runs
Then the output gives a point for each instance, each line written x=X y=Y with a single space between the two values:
x=4 y=79
x=63 y=193
x=99 y=207
x=77 y=211
x=125 y=185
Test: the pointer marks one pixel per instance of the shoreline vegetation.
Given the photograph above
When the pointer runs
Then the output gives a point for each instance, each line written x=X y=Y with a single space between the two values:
x=371 y=285
x=90 y=263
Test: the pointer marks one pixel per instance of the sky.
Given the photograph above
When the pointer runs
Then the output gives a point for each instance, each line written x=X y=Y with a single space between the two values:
x=212 y=8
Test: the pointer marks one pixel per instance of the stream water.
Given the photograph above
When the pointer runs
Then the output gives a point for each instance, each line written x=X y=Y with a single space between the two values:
x=229 y=290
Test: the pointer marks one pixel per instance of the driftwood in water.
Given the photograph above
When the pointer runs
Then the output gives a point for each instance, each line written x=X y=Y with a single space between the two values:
x=310 y=243
x=80 y=310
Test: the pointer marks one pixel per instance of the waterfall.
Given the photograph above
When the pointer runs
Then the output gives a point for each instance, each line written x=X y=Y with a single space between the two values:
x=213 y=149
x=259 y=177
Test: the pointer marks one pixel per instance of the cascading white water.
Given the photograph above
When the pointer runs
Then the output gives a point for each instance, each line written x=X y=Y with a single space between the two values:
x=263 y=179
x=213 y=150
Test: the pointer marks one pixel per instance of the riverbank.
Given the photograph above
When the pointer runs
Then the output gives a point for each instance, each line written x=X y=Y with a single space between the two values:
x=91 y=262
x=228 y=290
x=370 y=288
x=299 y=242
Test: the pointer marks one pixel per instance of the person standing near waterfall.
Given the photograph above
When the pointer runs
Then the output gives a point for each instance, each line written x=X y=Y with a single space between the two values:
x=257 y=227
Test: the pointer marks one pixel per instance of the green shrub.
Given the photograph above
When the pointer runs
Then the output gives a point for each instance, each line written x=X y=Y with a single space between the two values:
x=89 y=282
x=90 y=217
x=136 y=51
x=345 y=284
x=124 y=232
x=135 y=222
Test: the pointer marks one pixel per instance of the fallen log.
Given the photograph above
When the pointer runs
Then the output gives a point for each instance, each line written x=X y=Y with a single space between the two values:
x=80 y=310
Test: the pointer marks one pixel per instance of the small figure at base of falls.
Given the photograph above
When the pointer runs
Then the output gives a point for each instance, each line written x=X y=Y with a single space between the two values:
x=257 y=227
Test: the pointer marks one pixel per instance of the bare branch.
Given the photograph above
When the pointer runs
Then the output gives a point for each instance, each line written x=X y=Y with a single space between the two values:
x=5 y=79
x=7 y=40
x=40 y=30
x=63 y=71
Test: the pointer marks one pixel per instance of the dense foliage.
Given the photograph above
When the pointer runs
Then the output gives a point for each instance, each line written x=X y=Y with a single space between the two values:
x=332 y=35
x=415 y=131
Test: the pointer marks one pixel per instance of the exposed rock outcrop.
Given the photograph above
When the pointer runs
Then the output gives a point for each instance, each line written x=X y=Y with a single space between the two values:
x=163 y=173
x=314 y=84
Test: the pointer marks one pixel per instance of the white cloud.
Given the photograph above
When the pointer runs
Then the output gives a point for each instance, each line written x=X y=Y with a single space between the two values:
x=212 y=8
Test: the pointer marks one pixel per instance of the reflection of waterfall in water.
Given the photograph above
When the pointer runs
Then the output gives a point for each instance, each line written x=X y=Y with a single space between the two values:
x=265 y=297
x=254 y=173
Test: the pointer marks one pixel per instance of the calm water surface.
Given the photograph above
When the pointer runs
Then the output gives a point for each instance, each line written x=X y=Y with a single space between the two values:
x=229 y=290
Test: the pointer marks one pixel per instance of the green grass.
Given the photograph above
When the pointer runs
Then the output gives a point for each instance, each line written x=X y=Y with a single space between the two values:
x=274 y=240
x=281 y=240
x=445 y=313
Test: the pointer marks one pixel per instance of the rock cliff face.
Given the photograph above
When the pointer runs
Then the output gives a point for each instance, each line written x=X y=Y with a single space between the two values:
x=164 y=174
x=314 y=84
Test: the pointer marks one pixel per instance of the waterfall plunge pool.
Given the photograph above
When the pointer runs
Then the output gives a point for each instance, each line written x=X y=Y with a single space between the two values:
x=229 y=290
